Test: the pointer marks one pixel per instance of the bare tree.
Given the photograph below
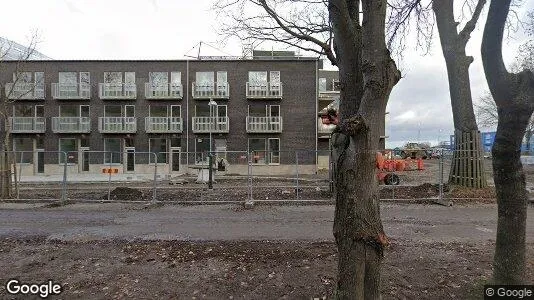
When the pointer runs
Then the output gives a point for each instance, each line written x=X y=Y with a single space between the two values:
x=355 y=42
x=453 y=42
x=7 y=162
x=514 y=96
x=486 y=111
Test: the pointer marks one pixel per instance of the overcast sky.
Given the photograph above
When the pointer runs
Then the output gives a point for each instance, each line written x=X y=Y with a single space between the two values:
x=169 y=29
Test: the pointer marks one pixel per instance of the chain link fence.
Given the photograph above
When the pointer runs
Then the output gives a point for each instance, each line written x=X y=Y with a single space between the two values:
x=237 y=177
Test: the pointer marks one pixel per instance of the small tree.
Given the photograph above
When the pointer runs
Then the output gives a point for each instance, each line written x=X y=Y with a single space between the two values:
x=514 y=97
x=7 y=98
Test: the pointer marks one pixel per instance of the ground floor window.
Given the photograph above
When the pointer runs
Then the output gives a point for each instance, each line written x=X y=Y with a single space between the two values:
x=68 y=146
x=265 y=150
x=158 y=146
x=202 y=147
x=23 y=144
x=114 y=146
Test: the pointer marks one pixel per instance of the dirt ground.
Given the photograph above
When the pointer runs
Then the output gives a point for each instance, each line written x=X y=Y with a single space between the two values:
x=240 y=270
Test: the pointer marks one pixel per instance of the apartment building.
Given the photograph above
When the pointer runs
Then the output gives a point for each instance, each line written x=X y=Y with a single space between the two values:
x=169 y=107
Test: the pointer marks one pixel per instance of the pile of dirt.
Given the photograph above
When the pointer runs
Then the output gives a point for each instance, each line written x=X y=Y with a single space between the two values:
x=124 y=193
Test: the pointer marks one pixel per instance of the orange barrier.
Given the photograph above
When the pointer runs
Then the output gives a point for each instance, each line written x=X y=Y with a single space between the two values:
x=401 y=165
x=380 y=160
x=420 y=165
x=110 y=171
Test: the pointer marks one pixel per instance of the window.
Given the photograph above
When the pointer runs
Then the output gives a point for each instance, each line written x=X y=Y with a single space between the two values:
x=23 y=144
x=28 y=111
x=158 y=78
x=322 y=84
x=112 y=145
x=257 y=77
x=266 y=150
x=158 y=146
x=157 y=111
x=204 y=78
x=202 y=147
x=68 y=146
x=176 y=77
x=119 y=111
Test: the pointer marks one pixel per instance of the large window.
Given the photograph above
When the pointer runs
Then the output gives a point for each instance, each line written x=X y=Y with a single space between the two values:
x=23 y=144
x=158 y=146
x=202 y=147
x=112 y=145
x=68 y=146
x=266 y=150
x=322 y=84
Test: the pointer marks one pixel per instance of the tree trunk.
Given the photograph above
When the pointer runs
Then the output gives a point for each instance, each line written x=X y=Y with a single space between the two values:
x=512 y=197
x=514 y=97
x=457 y=62
x=367 y=76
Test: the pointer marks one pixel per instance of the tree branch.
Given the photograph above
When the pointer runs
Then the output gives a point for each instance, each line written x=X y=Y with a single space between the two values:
x=465 y=33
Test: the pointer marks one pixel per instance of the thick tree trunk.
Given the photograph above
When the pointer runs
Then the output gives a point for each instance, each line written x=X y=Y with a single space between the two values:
x=514 y=97
x=366 y=78
x=457 y=62
x=512 y=197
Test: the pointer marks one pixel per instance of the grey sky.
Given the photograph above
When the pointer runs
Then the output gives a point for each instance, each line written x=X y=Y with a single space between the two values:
x=168 y=29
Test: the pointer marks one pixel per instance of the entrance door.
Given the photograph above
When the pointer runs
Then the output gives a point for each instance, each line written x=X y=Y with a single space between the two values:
x=130 y=159
x=175 y=159
x=84 y=159
x=40 y=161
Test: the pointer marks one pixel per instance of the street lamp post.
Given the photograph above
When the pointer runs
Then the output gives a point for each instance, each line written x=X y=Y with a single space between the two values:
x=210 y=155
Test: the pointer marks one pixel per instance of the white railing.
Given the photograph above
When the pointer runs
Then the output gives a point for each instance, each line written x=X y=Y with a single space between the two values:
x=163 y=124
x=27 y=124
x=25 y=91
x=71 y=91
x=210 y=124
x=71 y=124
x=264 y=90
x=324 y=128
x=206 y=90
x=117 y=124
x=117 y=90
x=264 y=124
x=163 y=91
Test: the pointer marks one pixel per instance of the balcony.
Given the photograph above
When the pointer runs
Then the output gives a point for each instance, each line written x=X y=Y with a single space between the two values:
x=117 y=124
x=324 y=129
x=117 y=91
x=264 y=90
x=71 y=125
x=211 y=90
x=163 y=91
x=25 y=91
x=63 y=91
x=163 y=124
x=210 y=124
x=264 y=124
x=27 y=124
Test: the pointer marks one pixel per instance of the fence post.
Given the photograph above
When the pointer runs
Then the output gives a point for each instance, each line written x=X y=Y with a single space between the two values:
x=109 y=172
x=20 y=173
x=64 y=185
x=155 y=177
x=441 y=177
x=297 y=171
x=249 y=202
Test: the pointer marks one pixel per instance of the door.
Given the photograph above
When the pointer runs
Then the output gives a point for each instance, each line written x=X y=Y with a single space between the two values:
x=40 y=161
x=130 y=159
x=221 y=121
x=84 y=159
x=175 y=159
x=129 y=120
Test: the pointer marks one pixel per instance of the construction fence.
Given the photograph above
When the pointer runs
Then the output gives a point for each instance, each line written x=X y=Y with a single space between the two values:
x=237 y=177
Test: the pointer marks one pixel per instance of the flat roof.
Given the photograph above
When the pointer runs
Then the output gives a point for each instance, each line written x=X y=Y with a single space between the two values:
x=214 y=59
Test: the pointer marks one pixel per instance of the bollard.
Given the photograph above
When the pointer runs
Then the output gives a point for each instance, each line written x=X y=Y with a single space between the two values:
x=249 y=203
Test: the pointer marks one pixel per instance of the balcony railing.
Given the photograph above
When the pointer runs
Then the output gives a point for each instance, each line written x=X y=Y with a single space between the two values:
x=207 y=90
x=71 y=124
x=117 y=124
x=163 y=91
x=210 y=124
x=27 y=124
x=264 y=124
x=25 y=91
x=163 y=124
x=324 y=129
x=71 y=91
x=117 y=90
x=264 y=90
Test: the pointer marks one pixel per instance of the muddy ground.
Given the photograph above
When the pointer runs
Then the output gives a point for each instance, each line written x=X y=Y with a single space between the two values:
x=240 y=270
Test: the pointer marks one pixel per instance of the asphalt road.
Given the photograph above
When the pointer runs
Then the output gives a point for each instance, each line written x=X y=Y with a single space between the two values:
x=85 y=222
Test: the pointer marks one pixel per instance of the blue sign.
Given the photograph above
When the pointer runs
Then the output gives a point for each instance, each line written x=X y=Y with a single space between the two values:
x=488 y=138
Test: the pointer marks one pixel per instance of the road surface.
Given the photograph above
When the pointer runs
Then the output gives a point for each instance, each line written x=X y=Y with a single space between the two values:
x=85 y=222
